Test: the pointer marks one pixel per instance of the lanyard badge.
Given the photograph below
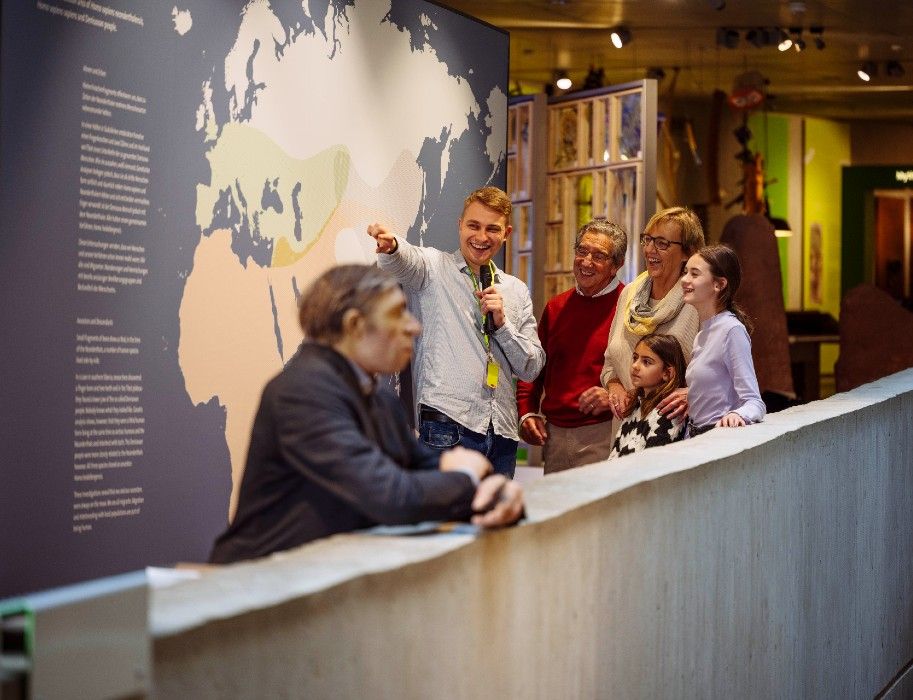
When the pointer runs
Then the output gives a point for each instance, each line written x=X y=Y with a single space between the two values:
x=491 y=367
x=491 y=372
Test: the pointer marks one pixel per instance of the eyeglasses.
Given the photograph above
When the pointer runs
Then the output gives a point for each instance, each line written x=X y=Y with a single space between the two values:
x=660 y=243
x=598 y=256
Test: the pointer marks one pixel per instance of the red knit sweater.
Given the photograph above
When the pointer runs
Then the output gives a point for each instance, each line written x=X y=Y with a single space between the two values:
x=574 y=331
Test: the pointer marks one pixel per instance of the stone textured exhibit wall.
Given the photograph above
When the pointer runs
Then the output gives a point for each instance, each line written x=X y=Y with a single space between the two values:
x=876 y=337
x=752 y=238
x=770 y=561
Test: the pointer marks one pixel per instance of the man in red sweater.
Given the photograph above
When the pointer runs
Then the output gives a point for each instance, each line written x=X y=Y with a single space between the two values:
x=573 y=419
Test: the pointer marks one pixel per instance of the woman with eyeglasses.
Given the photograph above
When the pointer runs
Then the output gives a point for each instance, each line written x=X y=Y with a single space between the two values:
x=653 y=303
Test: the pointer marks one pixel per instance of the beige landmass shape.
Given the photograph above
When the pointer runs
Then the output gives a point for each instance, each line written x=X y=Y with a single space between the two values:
x=245 y=159
x=227 y=344
x=227 y=348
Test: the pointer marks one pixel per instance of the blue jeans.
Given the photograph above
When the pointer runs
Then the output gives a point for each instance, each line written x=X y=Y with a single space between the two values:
x=442 y=435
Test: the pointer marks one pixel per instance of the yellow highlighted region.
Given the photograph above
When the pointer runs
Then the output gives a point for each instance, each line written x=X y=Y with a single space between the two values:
x=246 y=161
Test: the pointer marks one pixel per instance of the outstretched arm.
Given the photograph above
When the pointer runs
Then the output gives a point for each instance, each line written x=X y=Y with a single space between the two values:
x=400 y=258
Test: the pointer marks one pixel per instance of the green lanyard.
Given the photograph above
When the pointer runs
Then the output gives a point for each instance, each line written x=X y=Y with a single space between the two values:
x=491 y=367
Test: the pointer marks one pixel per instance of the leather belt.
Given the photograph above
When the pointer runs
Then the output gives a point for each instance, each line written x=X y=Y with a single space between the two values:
x=433 y=415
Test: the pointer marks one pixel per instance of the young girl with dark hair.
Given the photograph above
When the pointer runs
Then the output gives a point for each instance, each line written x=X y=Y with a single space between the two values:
x=722 y=385
x=657 y=369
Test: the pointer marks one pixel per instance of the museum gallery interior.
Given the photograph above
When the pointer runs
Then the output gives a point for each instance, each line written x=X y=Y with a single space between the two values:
x=177 y=181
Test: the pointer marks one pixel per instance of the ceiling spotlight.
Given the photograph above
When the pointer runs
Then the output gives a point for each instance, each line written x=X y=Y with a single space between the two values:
x=893 y=69
x=727 y=37
x=799 y=44
x=785 y=42
x=562 y=81
x=782 y=229
x=756 y=37
x=817 y=37
x=620 y=37
x=867 y=71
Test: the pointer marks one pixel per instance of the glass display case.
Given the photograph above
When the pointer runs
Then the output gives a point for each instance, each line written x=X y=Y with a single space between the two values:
x=601 y=163
x=525 y=185
x=596 y=157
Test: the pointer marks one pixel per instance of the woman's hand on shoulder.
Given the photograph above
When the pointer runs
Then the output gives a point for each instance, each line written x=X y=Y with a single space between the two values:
x=675 y=405
x=731 y=420
x=619 y=399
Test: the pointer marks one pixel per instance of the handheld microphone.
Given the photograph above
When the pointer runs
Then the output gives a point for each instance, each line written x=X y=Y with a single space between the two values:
x=485 y=281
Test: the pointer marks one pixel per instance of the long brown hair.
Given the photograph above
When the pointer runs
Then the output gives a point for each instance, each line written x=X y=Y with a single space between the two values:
x=724 y=264
x=669 y=351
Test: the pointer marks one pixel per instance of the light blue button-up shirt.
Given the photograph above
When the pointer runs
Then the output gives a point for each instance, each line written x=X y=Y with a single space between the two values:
x=450 y=362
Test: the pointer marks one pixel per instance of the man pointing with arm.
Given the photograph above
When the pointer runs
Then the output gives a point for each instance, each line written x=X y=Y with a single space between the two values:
x=464 y=374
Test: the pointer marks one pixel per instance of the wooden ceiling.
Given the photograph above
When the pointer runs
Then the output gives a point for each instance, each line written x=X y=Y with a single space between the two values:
x=680 y=37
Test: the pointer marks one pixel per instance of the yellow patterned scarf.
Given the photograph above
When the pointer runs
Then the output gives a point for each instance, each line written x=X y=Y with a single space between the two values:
x=639 y=318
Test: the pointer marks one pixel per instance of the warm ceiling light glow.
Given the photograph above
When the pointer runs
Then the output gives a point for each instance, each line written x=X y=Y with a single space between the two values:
x=867 y=71
x=782 y=229
x=785 y=44
x=564 y=83
x=620 y=37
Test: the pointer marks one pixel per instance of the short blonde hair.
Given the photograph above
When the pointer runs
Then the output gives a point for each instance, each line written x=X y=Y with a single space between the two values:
x=690 y=225
x=493 y=198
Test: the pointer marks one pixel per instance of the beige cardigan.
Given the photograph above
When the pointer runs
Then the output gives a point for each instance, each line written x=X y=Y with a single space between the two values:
x=684 y=326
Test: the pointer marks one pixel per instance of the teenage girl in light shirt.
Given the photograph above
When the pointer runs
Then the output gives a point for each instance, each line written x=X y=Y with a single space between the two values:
x=722 y=385
x=657 y=369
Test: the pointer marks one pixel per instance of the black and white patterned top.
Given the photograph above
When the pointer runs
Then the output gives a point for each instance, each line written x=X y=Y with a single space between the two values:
x=636 y=433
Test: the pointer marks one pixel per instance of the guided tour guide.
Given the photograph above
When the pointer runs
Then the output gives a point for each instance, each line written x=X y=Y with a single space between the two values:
x=330 y=452
x=479 y=331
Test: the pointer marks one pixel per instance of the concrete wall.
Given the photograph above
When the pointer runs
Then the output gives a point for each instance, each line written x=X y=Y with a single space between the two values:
x=770 y=561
